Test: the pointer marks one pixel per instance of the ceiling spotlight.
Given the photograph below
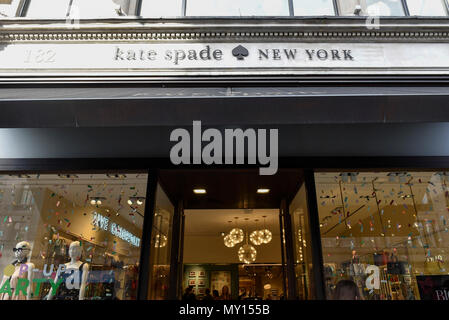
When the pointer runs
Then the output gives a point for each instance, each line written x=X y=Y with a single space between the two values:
x=96 y=200
x=138 y=200
x=263 y=191
x=199 y=191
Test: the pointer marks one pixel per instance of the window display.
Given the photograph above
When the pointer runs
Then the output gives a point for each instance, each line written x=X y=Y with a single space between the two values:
x=383 y=230
x=70 y=236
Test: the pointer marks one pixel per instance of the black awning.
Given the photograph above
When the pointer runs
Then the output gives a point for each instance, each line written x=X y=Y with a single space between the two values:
x=121 y=106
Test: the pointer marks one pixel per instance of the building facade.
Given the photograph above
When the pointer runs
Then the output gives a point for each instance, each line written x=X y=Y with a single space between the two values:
x=265 y=149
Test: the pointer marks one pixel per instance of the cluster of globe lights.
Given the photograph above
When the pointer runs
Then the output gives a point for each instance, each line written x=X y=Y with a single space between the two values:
x=234 y=237
x=247 y=253
x=259 y=237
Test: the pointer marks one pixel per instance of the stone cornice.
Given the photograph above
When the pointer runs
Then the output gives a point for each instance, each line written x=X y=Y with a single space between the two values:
x=279 y=29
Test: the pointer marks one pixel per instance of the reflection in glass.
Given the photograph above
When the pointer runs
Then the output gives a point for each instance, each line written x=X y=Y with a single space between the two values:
x=426 y=7
x=9 y=8
x=383 y=230
x=47 y=9
x=48 y=221
x=92 y=9
x=313 y=7
x=237 y=8
x=301 y=244
x=371 y=7
x=154 y=9
x=160 y=246
x=384 y=8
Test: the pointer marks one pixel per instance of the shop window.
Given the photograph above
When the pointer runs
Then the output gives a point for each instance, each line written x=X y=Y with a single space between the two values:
x=371 y=7
x=302 y=246
x=385 y=232
x=427 y=7
x=237 y=8
x=160 y=247
x=79 y=234
x=153 y=9
x=313 y=7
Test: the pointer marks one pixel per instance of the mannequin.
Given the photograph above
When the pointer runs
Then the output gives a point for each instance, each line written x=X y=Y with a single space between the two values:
x=22 y=270
x=74 y=276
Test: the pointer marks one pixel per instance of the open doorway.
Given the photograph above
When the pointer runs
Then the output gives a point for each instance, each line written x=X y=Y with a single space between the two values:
x=229 y=234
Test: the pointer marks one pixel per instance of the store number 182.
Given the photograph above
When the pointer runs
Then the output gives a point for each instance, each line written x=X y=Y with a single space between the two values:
x=40 y=56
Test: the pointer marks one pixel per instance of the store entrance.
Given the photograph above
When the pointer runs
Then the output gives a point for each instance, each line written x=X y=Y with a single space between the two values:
x=223 y=240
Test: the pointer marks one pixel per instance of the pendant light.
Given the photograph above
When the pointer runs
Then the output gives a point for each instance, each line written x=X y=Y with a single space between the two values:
x=266 y=234
x=228 y=242
x=256 y=236
x=236 y=234
x=247 y=253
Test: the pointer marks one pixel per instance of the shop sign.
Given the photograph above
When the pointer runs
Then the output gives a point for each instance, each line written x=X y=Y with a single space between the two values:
x=222 y=58
x=103 y=223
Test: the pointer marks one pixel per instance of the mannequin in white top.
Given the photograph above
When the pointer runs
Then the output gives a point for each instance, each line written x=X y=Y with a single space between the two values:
x=23 y=270
x=74 y=276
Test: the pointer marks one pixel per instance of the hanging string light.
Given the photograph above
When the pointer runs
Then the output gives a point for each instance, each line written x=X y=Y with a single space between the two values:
x=247 y=253
x=266 y=234
x=236 y=234
x=228 y=241
x=256 y=236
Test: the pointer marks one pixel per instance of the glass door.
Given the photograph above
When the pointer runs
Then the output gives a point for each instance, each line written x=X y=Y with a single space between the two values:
x=161 y=243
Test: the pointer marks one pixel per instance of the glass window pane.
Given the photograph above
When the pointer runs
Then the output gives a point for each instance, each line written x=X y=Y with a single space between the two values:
x=313 y=7
x=160 y=247
x=47 y=9
x=91 y=9
x=8 y=8
x=153 y=8
x=384 y=234
x=237 y=8
x=301 y=242
x=426 y=7
x=79 y=224
x=371 y=7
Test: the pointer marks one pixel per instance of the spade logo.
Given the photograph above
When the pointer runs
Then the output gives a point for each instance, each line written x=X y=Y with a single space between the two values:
x=240 y=52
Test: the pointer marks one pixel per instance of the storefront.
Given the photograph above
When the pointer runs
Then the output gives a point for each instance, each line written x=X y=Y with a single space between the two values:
x=349 y=110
